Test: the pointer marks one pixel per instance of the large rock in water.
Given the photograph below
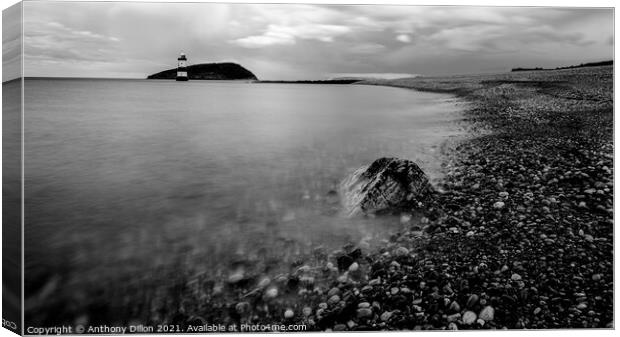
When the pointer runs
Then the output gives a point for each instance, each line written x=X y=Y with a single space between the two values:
x=388 y=184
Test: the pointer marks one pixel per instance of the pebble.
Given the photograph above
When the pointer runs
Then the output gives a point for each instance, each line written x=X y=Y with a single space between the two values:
x=537 y=311
x=452 y=326
x=242 y=307
x=364 y=312
x=582 y=306
x=596 y=277
x=402 y=251
x=271 y=292
x=386 y=316
x=364 y=305
x=499 y=205
x=264 y=282
x=469 y=317
x=454 y=306
x=333 y=300
x=503 y=194
x=236 y=277
x=289 y=313
x=470 y=234
x=589 y=238
x=374 y=282
x=454 y=317
x=487 y=314
x=515 y=277
x=333 y=291
x=307 y=311
x=473 y=299
x=340 y=327
x=354 y=267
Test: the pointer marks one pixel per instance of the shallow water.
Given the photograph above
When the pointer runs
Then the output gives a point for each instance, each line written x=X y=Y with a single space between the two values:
x=127 y=180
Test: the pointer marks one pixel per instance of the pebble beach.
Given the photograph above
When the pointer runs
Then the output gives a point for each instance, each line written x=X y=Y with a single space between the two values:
x=519 y=236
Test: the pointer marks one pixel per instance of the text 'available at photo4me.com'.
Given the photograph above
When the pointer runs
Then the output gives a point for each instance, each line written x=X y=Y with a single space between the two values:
x=168 y=328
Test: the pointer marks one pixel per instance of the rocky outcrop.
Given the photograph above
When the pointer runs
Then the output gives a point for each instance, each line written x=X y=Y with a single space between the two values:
x=386 y=185
x=209 y=71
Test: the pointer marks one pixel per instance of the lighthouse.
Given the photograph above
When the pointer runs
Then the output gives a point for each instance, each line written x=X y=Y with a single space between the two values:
x=182 y=68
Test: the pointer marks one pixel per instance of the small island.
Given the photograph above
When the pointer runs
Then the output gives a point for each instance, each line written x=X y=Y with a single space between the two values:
x=209 y=71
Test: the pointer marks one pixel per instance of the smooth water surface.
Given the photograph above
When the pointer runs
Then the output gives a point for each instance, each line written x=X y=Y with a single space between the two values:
x=129 y=180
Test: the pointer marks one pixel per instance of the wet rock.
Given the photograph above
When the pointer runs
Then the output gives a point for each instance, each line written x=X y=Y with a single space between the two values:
x=388 y=184
x=344 y=262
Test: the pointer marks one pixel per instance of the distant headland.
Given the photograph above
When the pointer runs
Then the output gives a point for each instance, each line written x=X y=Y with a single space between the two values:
x=582 y=65
x=209 y=71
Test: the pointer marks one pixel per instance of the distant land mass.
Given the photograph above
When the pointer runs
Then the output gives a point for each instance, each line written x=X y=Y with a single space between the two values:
x=340 y=81
x=582 y=65
x=209 y=71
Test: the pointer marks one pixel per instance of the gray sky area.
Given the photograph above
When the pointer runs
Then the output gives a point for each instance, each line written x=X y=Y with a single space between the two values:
x=279 y=41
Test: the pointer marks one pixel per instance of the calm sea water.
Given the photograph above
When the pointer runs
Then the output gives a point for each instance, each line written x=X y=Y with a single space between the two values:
x=129 y=180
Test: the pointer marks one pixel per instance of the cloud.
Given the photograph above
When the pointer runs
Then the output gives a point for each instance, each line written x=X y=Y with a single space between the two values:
x=286 y=41
x=404 y=38
x=288 y=35
x=55 y=42
x=367 y=48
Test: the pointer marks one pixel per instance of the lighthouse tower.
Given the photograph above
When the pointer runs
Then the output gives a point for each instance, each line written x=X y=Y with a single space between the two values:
x=182 y=68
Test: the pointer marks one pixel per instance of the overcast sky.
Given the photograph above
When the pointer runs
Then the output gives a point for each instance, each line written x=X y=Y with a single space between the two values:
x=108 y=39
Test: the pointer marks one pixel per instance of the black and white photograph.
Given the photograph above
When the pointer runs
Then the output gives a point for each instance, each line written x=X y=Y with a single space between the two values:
x=219 y=167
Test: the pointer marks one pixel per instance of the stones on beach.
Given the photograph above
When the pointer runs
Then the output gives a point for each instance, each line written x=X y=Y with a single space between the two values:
x=487 y=314
x=236 y=277
x=388 y=184
x=499 y=205
x=271 y=293
x=402 y=251
x=289 y=313
x=469 y=317
x=364 y=312
x=242 y=308
x=472 y=301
